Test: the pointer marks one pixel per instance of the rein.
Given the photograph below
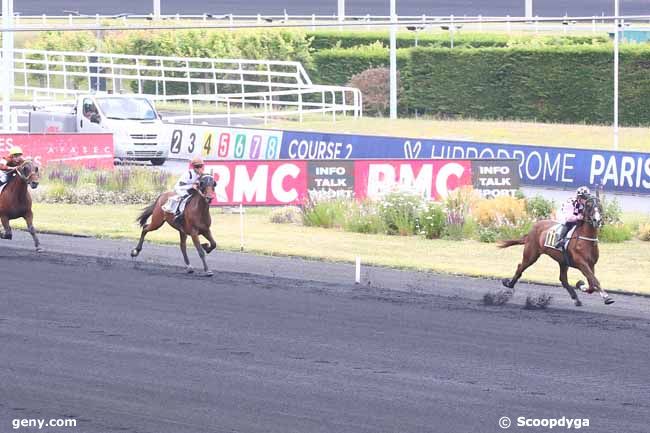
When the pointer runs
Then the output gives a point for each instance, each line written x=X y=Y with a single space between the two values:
x=20 y=174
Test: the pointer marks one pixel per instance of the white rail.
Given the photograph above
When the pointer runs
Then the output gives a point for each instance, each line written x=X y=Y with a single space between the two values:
x=595 y=23
x=235 y=87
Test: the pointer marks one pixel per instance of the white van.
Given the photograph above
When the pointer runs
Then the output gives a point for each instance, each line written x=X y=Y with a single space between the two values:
x=136 y=126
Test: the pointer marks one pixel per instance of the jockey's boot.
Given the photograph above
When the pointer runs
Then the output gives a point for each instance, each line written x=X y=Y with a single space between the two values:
x=178 y=218
x=560 y=240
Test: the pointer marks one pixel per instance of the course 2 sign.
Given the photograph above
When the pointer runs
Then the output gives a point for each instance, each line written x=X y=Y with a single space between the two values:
x=292 y=182
x=222 y=143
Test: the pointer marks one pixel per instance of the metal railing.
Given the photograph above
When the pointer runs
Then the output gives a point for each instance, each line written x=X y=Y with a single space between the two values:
x=596 y=23
x=207 y=88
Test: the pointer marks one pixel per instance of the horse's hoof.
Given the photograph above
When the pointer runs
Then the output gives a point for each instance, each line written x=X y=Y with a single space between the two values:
x=207 y=274
x=580 y=285
x=189 y=270
x=134 y=252
x=609 y=301
x=7 y=236
x=578 y=303
x=39 y=249
x=506 y=282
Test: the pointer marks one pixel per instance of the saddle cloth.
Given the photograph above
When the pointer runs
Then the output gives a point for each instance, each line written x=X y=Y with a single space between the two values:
x=175 y=203
x=171 y=205
x=553 y=236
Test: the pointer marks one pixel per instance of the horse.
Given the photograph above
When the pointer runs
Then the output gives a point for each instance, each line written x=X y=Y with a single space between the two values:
x=196 y=221
x=15 y=201
x=581 y=251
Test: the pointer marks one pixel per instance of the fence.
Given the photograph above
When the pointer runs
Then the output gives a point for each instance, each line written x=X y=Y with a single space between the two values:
x=207 y=88
x=508 y=23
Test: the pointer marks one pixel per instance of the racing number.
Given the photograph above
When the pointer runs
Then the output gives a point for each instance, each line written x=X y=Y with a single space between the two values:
x=256 y=147
x=207 y=144
x=177 y=138
x=192 y=146
x=272 y=148
x=240 y=146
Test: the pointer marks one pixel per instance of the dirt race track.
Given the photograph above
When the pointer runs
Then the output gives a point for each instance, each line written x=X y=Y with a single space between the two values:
x=142 y=347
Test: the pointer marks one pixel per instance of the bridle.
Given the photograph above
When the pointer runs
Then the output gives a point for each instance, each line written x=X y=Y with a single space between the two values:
x=20 y=171
x=593 y=204
x=202 y=186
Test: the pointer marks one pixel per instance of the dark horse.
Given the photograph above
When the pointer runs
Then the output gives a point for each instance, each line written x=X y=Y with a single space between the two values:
x=196 y=221
x=582 y=251
x=15 y=201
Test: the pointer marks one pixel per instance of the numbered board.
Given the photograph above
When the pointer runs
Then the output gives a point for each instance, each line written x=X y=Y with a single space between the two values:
x=222 y=143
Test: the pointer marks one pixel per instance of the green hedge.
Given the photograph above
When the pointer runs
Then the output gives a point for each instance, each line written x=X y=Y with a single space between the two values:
x=568 y=84
x=542 y=82
x=337 y=66
x=328 y=39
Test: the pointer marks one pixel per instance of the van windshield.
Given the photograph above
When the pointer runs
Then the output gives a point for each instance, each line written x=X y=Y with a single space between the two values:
x=127 y=108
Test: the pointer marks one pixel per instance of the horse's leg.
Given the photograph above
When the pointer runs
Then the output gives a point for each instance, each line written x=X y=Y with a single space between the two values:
x=213 y=244
x=188 y=267
x=29 y=219
x=157 y=220
x=199 y=249
x=531 y=254
x=7 y=228
x=593 y=282
x=564 y=269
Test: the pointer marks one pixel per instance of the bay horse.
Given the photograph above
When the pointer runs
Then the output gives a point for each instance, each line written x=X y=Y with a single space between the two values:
x=15 y=201
x=196 y=221
x=581 y=251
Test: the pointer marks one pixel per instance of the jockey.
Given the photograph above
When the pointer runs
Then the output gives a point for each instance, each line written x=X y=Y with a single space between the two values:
x=187 y=182
x=573 y=212
x=14 y=159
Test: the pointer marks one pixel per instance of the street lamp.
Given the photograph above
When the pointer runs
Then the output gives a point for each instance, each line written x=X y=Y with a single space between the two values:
x=7 y=61
x=393 y=60
x=156 y=9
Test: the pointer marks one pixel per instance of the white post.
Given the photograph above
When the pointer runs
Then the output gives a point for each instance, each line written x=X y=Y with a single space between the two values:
x=241 y=227
x=616 y=46
x=156 y=9
x=7 y=62
x=529 y=9
x=393 y=60
x=357 y=271
x=341 y=10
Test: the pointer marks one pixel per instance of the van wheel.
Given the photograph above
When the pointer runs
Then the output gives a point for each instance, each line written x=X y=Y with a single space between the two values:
x=158 y=161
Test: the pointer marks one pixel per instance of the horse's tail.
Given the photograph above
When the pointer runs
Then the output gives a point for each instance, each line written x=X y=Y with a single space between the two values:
x=511 y=242
x=146 y=213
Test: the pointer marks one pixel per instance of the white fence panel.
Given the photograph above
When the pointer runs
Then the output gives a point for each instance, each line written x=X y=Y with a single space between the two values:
x=221 y=88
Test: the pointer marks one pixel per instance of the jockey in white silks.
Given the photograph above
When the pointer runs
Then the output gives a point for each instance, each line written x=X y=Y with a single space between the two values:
x=187 y=182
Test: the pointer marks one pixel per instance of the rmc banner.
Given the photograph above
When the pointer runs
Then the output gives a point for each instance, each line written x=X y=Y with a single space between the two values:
x=292 y=182
x=538 y=166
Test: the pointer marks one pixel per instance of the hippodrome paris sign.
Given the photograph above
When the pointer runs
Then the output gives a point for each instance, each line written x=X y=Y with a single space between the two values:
x=554 y=167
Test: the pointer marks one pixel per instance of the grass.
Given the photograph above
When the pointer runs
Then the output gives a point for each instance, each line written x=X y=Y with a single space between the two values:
x=622 y=267
x=546 y=134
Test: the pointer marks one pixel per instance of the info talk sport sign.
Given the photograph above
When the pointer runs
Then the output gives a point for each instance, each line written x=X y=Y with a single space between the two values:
x=542 y=166
x=256 y=183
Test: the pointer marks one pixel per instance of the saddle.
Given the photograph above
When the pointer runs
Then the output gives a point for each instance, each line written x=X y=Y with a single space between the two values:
x=172 y=204
x=175 y=205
